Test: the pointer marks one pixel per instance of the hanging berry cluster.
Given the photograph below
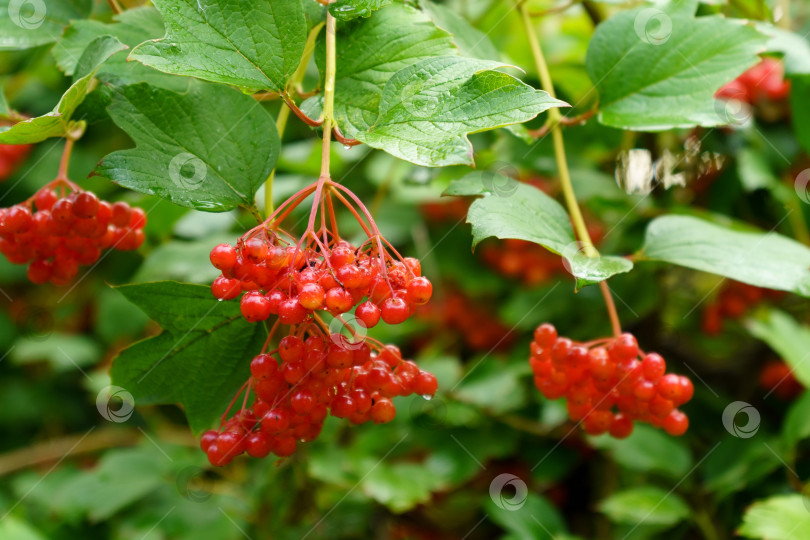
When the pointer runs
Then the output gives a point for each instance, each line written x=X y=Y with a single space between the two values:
x=734 y=300
x=317 y=373
x=62 y=227
x=11 y=157
x=599 y=377
x=765 y=82
x=294 y=278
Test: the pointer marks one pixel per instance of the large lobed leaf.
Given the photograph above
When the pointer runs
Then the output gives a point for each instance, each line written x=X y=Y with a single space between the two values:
x=254 y=45
x=363 y=67
x=511 y=209
x=200 y=359
x=209 y=148
x=57 y=122
x=427 y=109
x=763 y=259
x=657 y=69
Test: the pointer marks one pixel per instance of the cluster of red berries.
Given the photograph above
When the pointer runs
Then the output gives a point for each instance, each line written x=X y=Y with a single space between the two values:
x=473 y=322
x=69 y=227
x=733 y=301
x=316 y=377
x=765 y=82
x=599 y=377
x=292 y=282
x=526 y=261
x=11 y=157
x=777 y=377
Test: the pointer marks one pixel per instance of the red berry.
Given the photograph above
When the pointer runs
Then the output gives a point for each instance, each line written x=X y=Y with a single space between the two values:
x=624 y=347
x=290 y=311
x=275 y=421
x=258 y=445
x=343 y=407
x=85 y=206
x=676 y=423
x=223 y=257
x=653 y=366
x=622 y=426
x=394 y=311
x=311 y=296
x=669 y=386
x=425 y=384
x=338 y=300
x=368 y=313
x=138 y=220
x=263 y=366
x=208 y=438
x=45 y=198
x=226 y=289
x=121 y=214
x=545 y=335
x=302 y=401
x=255 y=306
x=383 y=411
x=419 y=290
x=291 y=349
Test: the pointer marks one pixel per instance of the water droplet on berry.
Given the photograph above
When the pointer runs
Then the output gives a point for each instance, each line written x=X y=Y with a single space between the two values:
x=427 y=397
x=347 y=147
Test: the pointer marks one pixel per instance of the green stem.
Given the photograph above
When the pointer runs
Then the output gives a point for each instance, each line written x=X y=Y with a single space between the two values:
x=284 y=113
x=555 y=116
x=328 y=93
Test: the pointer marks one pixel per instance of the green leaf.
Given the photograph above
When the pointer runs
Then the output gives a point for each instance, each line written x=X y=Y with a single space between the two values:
x=209 y=148
x=4 y=110
x=535 y=519
x=786 y=517
x=57 y=122
x=470 y=41
x=794 y=47
x=400 y=486
x=427 y=109
x=346 y=10
x=648 y=450
x=658 y=69
x=789 y=338
x=253 y=45
x=132 y=27
x=361 y=76
x=64 y=352
x=800 y=105
x=99 y=493
x=31 y=23
x=797 y=423
x=11 y=527
x=763 y=259
x=199 y=360
x=650 y=505
x=511 y=209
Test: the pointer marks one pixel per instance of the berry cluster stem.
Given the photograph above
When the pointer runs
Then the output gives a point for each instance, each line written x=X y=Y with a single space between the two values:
x=555 y=118
x=328 y=93
x=64 y=163
x=293 y=85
